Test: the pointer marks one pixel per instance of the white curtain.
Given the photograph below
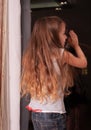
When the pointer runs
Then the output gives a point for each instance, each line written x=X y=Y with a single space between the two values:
x=11 y=65
x=14 y=62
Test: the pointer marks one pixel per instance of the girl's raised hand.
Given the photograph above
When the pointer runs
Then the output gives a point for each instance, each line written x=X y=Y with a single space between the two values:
x=73 y=39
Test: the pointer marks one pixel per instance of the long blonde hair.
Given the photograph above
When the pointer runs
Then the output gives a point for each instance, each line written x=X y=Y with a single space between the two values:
x=39 y=77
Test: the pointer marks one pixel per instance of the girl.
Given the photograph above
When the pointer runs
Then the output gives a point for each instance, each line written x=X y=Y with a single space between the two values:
x=47 y=72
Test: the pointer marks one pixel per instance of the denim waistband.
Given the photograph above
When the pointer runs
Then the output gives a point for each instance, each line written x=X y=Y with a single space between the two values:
x=46 y=115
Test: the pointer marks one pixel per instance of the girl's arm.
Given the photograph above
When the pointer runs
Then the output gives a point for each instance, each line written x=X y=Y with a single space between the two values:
x=79 y=60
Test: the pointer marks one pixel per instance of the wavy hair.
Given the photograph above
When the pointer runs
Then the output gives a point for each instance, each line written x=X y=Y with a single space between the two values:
x=39 y=77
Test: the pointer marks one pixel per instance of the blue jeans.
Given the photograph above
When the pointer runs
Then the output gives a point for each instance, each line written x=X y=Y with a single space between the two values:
x=48 y=121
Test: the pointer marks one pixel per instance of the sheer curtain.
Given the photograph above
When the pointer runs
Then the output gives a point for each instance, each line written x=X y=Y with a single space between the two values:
x=10 y=57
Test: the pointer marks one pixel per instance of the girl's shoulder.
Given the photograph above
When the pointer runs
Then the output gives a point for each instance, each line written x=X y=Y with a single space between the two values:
x=58 y=55
x=62 y=51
